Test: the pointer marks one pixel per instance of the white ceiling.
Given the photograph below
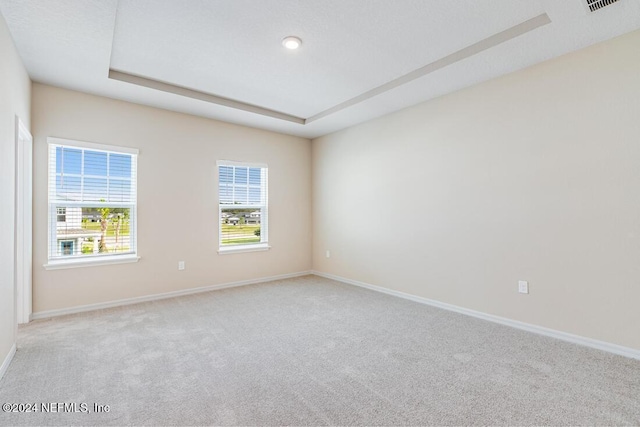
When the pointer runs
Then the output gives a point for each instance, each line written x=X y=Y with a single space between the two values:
x=231 y=48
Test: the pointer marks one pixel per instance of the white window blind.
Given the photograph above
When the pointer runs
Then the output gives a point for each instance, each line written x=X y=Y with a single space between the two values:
x=92 y=200
x=243 y=204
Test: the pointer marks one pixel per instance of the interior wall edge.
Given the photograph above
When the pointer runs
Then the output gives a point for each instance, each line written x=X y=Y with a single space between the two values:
x=7 y=360
x=15 y=87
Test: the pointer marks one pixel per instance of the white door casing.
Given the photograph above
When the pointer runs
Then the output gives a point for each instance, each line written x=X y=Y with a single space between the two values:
x=23 y=219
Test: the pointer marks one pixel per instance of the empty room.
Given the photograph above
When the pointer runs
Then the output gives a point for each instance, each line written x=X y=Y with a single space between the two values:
x=336 y=212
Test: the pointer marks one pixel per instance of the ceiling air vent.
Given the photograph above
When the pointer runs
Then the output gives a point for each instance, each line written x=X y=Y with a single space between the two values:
x=595 y=5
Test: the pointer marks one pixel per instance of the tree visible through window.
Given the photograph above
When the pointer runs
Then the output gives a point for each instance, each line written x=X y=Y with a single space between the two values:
x=92 y=199
x=242 y=213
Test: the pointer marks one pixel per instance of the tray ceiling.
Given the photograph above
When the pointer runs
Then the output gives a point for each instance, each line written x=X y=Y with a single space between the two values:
x=359 y=59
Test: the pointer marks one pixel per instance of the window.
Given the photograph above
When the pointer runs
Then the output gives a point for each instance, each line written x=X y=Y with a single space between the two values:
x=242 y=201
x=61 y=214
x=92 y=201
x=66 y=247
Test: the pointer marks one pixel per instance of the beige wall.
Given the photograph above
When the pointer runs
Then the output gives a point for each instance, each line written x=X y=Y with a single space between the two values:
x=15 y=98
x=177 y=205
x=532 y=176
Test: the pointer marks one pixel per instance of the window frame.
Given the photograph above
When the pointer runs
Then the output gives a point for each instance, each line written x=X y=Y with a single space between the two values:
x=74 y=261
x=264 y=208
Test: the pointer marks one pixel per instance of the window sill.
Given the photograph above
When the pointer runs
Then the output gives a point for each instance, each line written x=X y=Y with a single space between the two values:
x=78 y=263
x=243 y=248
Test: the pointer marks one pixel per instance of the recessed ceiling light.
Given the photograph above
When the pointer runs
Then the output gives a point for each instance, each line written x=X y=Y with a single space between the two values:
x=291 y=42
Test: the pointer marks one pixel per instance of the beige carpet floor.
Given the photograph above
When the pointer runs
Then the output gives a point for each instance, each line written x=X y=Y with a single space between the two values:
x=309 y=351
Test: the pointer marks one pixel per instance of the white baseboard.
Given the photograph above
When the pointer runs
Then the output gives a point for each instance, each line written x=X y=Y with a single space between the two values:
x=7 y=361
x=576 y=339
x=136 y=300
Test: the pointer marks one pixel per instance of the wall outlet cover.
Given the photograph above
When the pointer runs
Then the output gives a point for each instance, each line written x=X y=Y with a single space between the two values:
x=523 y=287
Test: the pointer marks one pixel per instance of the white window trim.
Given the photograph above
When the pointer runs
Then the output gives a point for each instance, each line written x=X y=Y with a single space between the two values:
x=92 y=145
x=225 y=250
x=89 y=261
x=231 y=249
x=241 y=164
x=75 y=262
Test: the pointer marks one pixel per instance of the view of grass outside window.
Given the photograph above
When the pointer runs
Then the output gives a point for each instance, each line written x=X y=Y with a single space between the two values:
x=92 y=200
x=243 y=204
x=94 y=230
x=240 y=226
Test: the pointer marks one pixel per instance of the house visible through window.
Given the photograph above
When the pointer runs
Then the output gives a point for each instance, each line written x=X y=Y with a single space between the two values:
x=242 y=213
x=92 y=200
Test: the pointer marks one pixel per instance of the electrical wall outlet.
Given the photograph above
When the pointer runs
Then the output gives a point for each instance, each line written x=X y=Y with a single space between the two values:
x=328 y=254
x=523 y=286
x=180 y=265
